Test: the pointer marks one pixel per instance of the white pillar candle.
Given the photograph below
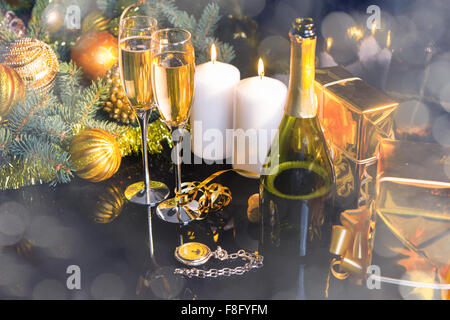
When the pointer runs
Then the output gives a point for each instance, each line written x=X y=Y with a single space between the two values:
x=259 y=107
x=212 y=111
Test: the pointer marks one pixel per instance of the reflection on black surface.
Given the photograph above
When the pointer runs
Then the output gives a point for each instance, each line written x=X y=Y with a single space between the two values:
x=44 y=230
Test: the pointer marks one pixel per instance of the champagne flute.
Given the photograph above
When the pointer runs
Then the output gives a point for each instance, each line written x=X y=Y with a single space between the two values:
x=135 y=73
x=173 y=67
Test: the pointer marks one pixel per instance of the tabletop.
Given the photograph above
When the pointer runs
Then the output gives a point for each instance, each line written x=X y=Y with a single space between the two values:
x=82 y=240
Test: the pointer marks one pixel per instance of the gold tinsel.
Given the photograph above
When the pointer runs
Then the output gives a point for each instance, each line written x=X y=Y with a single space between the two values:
x=117 y=106
x=130 y=141
x=34 y=61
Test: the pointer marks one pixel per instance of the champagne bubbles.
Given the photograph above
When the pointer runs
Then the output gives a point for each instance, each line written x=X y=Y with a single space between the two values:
x=338 y=26
x=107 y=286
x=412 y=117
x=49 y=289
x=441 y=129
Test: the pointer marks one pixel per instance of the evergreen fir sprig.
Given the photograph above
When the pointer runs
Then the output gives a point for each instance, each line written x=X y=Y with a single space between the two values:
x=203 y=29
x=44 y=154
x=35 y=29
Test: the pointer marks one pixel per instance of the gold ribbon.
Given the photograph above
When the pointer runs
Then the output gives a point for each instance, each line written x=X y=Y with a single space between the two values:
x=211 y=198
x=352 y=243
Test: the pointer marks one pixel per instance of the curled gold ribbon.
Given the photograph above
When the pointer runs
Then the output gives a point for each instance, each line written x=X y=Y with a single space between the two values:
x=211 y=197
x=351 y=242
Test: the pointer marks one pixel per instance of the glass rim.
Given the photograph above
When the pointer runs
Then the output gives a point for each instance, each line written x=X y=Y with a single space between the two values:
x=153 y=20
x=188 y=38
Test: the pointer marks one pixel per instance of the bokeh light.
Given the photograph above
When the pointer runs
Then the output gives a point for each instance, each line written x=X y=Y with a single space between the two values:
x=412 y=116
x=441 y=129
x=336 y=26
x=252 y=8
x=49 y=289
x=107 y=286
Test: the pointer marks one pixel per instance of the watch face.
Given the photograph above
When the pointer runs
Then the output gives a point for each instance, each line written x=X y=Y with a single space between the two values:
x=193 y=253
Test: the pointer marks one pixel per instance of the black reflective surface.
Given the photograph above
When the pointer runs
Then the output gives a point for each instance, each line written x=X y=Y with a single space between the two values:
x=128 y=254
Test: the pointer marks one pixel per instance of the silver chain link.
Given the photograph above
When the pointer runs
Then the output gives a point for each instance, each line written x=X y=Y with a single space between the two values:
x=254 y=261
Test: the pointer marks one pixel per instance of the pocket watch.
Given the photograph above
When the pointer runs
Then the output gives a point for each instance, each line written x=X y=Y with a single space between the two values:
x=196 y=253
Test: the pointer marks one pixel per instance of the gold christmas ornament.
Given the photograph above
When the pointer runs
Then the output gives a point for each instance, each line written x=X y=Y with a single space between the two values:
x=117 y=106
x=53 y=17
x=12 y=89
x=109 y=204
x=95 y=155
x=12 y=23
x=96 y=53
x=34 y=61
x=95 y=21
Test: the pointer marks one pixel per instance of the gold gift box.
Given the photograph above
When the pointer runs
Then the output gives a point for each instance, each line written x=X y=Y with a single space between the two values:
x=354 y=116
x=413 y=196
x=413 y=212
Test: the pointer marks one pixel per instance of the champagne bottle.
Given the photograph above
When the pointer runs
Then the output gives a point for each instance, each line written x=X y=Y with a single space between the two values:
x=297 y=179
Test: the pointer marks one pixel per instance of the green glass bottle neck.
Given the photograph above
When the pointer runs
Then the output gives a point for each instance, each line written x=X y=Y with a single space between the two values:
x=301 y=102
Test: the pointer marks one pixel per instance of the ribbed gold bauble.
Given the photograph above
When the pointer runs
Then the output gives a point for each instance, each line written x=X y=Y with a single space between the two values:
x=109 y=204
x=117 y=105
x=34 y=61
x=12 y=89
x=95 y=155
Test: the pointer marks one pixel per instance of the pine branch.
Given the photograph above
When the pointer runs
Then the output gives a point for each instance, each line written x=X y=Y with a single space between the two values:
x=5 y=139
x=6 y=36
x=90 y=100
x=108 y=7
x=35 y=29
x=207 y=23
x=45 y=155
x=178 y=18
x=22 y=115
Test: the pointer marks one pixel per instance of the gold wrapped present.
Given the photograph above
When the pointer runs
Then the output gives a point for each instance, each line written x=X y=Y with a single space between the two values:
x=354 y=115
x=413 y=213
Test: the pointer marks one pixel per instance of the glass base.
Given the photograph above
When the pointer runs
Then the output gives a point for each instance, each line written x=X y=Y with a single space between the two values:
x=172 y=212
x=136 y=193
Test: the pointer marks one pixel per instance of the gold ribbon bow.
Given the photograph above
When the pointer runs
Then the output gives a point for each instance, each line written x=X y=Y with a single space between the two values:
x=211 y=198
x=352 y=242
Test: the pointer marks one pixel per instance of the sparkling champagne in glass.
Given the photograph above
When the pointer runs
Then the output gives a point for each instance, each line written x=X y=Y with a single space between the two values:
x=135 y=73
x=173 y=67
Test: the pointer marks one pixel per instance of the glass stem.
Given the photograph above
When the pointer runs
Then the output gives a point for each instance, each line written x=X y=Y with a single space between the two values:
x=177 y=143
x=143 y=122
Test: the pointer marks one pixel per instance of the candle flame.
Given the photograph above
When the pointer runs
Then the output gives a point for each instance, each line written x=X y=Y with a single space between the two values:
x=388 y=39
x=213 y=53
x=355 y=32
x=260 y=67
x=329 y=43
x=374 y=27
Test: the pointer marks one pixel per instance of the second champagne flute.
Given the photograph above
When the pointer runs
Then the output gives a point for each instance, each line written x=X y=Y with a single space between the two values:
x=173 y=67
x=135 y=73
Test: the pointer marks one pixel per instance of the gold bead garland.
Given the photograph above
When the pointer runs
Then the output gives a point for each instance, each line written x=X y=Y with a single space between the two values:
x=34 y=61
